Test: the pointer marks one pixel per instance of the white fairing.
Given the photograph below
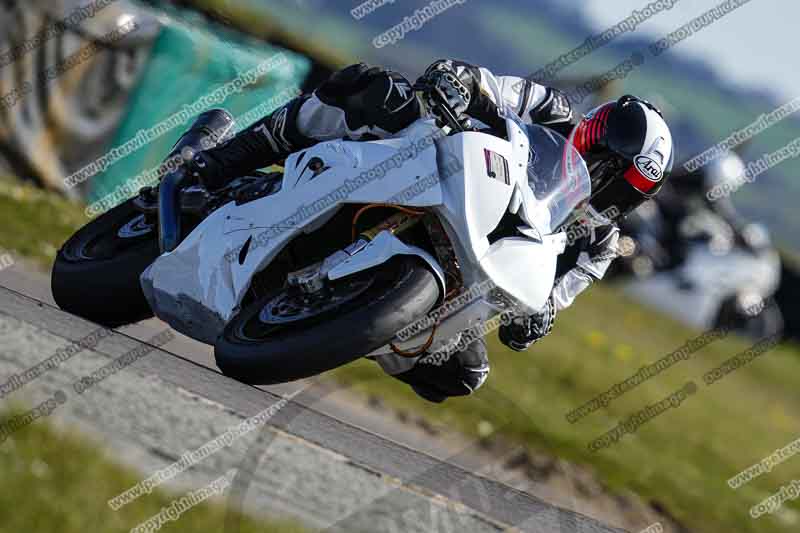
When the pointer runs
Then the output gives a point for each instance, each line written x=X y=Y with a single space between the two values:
x=205 y=268
x=379 y=250
x=499 y=264
x=198 y=287
x=473 y=207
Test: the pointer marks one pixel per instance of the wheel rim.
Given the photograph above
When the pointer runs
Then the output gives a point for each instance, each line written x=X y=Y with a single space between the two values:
x=291 y=307
x=134 y=228
x=98 y=245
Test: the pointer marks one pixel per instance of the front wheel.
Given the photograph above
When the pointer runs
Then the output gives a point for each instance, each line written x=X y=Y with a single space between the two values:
x=286 y=335
x=96 y=272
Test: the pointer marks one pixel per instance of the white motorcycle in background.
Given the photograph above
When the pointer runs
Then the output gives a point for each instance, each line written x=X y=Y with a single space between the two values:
x=719 y=282
x=291 y=274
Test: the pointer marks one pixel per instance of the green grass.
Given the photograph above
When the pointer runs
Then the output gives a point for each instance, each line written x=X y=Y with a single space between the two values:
x=35 y=223
x=682 y=459
x=57 y=482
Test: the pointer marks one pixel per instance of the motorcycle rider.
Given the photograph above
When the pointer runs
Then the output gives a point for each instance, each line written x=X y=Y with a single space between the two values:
x=690 y=193
x=626 y=144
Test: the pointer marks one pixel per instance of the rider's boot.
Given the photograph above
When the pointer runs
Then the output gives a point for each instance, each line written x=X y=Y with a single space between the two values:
x=262 y=144
x=358 y=103
x=458 y=374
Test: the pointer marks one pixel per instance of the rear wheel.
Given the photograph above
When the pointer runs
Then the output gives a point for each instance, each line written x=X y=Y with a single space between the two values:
x=286 y=335
x=96 y=272
x=767 y=322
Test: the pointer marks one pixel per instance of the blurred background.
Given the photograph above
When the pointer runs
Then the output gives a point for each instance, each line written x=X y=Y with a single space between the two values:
x=692 y=265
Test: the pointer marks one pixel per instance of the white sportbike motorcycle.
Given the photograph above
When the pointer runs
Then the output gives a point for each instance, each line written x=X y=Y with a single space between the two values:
x=289 y=274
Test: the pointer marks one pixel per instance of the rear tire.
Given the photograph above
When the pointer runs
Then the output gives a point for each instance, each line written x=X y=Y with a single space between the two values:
x=398 y=293
x=96 y=272
x=767 y=323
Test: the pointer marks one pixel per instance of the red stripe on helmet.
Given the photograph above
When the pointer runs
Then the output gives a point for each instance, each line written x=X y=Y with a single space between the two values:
x=638 y=180
x=594 y=131
x=590 y=131
x=580 y=139
x=603 y=122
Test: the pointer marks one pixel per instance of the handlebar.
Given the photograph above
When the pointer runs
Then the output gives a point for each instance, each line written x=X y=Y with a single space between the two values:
x=443 y=110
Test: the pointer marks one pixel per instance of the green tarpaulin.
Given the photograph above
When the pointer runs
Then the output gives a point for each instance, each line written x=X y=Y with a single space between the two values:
x=192 y=62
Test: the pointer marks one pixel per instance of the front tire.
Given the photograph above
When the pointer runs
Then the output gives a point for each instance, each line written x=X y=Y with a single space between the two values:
x=96 y=272
x=258 y=346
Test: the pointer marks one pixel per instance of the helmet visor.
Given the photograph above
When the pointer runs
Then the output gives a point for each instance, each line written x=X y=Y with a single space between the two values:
x=618 y=191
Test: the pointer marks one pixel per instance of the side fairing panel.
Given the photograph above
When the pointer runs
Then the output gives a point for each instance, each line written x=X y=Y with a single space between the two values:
x=214 y=265
x=475 y=201
x=523 y=268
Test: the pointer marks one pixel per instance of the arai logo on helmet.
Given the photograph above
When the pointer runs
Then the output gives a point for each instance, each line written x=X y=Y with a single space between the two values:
x=648 y=167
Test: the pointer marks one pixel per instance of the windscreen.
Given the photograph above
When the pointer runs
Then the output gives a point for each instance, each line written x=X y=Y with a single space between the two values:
x=557 y=175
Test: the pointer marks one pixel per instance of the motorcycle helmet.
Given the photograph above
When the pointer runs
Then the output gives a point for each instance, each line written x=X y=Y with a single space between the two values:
x=628 y=150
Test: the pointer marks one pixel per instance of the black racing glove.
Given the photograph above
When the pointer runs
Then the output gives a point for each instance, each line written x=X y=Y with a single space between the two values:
x=526 y=329
x=442 y=77
x=206 y=170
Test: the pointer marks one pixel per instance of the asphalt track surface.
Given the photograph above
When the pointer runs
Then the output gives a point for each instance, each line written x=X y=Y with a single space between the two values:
x=316 y=458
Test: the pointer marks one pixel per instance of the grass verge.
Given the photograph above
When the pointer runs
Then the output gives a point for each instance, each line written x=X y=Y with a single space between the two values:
x=57 y=482
x=34 y=223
